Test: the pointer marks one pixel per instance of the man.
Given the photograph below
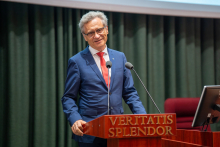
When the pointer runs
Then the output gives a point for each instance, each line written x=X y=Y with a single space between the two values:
x=88 y=76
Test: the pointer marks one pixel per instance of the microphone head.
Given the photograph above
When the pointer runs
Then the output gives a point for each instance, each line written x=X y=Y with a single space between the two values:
x=108 y=64
x=129 y=65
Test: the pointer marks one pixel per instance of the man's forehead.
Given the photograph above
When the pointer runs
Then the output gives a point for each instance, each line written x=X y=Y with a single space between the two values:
x=95 y=21
x=93 y=25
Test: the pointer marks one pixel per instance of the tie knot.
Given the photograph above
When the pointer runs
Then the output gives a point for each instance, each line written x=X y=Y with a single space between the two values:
x=100 y=54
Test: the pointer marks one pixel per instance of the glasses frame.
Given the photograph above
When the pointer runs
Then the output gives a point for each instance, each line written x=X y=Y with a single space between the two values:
x=95 y=32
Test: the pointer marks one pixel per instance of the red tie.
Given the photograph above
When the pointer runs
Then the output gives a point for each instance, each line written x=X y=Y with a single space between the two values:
x=103 y=67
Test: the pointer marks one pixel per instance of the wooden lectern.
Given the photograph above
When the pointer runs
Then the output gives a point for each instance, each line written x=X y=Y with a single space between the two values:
x=135 y=130
x=192 y=138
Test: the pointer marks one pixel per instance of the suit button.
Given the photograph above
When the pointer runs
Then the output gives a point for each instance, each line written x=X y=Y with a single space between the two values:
x=110 y=93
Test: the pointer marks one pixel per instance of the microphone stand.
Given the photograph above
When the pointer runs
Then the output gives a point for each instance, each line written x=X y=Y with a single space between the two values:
x=108 y=91
x=108 y=65
x=146 y=90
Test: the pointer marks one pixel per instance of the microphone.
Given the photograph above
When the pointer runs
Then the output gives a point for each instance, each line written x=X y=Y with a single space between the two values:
x=108 y=65
x=128 y=65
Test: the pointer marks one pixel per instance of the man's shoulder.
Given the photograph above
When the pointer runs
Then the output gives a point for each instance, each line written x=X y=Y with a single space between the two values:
x=115 y=51
x=78 y=55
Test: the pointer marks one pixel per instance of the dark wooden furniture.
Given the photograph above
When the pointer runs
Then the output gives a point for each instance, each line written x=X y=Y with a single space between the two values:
x=150 y=130
x=132 y=130
x=192 y=138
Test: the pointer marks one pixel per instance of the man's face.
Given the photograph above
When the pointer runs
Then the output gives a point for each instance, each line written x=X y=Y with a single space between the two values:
x=98 y=40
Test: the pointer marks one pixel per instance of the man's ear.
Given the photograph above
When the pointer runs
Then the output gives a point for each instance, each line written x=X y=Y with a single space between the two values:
x=84 y=37
x=107 y=29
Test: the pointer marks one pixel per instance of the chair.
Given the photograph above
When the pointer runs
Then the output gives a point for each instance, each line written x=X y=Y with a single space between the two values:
x=185 y=109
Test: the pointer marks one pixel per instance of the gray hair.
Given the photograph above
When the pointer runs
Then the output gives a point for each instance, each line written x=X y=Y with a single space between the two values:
x=90 y=16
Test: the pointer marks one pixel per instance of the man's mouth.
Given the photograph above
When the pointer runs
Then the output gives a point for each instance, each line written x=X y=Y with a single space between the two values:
x=98 y=40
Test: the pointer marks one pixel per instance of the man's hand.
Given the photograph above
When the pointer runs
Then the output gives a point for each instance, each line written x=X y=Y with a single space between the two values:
x=77 y=127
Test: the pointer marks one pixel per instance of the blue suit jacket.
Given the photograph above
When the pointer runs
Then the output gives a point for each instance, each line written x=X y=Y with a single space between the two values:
x=84 y=77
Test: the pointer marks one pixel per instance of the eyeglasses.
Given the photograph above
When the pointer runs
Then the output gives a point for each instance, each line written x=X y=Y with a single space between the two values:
x=98 y=31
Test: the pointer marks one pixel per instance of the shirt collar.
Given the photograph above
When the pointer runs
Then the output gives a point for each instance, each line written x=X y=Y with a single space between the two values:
x=94 y=51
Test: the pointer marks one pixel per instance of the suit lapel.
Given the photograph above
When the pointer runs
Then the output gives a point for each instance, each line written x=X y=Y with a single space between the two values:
x=90 y=61
x=112 y=59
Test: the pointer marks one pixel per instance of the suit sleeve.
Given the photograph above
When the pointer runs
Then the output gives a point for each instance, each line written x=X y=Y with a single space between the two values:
x=69 y=98
x=130 y=94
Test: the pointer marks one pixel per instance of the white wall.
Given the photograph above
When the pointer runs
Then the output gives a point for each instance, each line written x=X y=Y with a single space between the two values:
x=189 y=8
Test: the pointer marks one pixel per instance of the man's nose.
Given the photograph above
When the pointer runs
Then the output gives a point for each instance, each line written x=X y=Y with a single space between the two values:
x=96 y=35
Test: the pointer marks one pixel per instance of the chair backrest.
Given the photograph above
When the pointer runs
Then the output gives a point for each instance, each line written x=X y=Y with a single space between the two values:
x=181 y=106
x=185 y=109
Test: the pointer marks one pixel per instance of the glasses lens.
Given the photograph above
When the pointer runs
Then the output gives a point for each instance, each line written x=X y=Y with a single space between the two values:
x=91 y=34
x=98 y=31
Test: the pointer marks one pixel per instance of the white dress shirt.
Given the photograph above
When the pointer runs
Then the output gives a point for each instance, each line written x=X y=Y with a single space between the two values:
x=97 y=58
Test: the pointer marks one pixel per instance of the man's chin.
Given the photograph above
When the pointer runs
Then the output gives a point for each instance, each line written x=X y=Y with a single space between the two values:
x=99 y=44
x=100 y=47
